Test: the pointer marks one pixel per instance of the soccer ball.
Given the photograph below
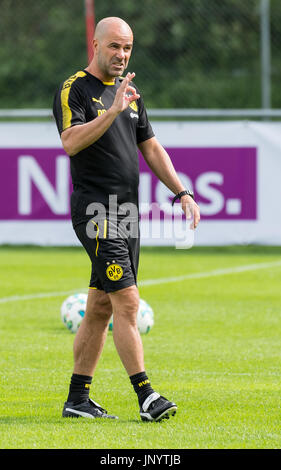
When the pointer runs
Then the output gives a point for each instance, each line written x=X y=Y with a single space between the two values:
x=110 y=326
x=145 y=318
x=73 y=311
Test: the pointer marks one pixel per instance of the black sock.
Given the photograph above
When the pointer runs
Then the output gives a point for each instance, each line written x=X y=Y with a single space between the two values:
x=141 y=386
x=79 y=388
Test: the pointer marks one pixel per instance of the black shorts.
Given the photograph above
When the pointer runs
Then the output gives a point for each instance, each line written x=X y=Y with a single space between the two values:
x=114 y=260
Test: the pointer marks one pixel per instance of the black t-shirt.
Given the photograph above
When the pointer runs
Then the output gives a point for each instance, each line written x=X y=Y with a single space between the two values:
x=110 y=165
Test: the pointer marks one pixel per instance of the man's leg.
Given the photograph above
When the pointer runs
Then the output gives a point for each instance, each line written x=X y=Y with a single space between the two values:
x=91 y=335
x=127 y=339
x=125 y=303
x=87 y=348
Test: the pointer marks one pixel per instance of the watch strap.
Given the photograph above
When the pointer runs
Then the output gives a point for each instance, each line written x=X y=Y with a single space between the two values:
x=182 y=193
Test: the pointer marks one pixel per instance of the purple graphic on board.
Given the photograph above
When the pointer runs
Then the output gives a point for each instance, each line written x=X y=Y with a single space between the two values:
x=35 y=183
x=224 y=180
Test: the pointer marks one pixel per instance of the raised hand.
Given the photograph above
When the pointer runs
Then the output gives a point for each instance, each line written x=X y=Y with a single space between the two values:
x=125 y=94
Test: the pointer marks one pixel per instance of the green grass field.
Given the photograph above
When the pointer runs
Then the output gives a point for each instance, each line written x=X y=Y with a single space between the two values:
x=215 y=350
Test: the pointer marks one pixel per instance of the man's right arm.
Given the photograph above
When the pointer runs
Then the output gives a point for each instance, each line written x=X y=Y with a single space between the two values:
x=76 y=138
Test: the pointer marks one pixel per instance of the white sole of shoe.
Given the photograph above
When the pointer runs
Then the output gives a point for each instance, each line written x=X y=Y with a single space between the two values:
x=165 y=415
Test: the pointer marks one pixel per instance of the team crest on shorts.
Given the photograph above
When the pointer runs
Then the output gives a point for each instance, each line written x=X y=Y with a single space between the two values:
x=114 y=272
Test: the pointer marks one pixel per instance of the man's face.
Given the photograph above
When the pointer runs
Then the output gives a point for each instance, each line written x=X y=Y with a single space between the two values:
x=113 y=53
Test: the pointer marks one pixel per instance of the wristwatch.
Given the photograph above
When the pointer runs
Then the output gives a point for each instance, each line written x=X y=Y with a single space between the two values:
x=183 y=193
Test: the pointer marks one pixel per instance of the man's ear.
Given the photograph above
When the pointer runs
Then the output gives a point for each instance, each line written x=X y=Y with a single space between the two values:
x=95 y=45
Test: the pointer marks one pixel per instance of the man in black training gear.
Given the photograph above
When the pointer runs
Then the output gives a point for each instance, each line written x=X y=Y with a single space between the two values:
x=103 y=122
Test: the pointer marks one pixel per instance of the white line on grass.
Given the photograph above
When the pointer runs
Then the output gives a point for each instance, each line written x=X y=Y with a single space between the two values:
x=151 y=282
x=40 y=295
x=216 y=272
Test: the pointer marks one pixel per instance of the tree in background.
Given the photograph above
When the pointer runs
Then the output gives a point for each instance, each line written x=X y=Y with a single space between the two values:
x=187 y=53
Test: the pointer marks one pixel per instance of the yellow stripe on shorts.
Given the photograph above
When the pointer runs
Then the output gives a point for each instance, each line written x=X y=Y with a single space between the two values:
x=97 y=235
x=105 y=228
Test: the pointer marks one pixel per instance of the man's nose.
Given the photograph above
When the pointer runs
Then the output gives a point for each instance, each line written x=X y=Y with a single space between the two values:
x=121 y=54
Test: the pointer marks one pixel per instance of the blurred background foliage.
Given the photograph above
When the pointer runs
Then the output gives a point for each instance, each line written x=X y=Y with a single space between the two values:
x=187 y=53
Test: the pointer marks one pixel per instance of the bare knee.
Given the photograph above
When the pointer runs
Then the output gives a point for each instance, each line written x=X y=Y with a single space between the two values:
x=125 y=304
x=99 y=307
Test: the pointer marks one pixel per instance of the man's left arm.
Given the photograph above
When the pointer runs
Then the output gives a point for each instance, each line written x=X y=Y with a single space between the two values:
x=160 y=163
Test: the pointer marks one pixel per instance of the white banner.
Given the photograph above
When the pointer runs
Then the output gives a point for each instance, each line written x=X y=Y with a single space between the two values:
x=234 y=169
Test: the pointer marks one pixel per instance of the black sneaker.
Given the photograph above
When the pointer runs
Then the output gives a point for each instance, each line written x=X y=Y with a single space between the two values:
x=86 y=409
x=156 y=408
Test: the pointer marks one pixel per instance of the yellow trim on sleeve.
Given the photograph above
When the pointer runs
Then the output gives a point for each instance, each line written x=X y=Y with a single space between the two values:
x=66 y=111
